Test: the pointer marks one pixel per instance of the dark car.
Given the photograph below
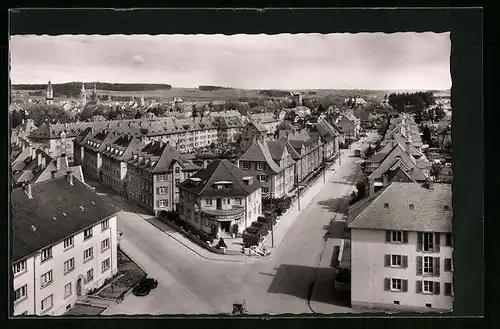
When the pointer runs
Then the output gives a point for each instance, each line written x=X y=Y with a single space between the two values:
x=145 y=286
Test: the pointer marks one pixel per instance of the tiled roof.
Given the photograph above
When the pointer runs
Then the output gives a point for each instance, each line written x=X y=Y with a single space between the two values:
x=121 y=149
x=53 y=214
x=221 y=170
x=259 y=151
x=398 y=154
x=428 y=213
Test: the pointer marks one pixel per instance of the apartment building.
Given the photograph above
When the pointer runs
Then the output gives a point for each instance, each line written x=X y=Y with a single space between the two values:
x=268 y=120
x=64 y=244
x=114 y=162
x=329 y=137
x=220 y=196
x=401 y=248
x=271 y=164
x=153 y=175
x=349 y=125
x=228 y=129
x=308 y=152
x=253 y=131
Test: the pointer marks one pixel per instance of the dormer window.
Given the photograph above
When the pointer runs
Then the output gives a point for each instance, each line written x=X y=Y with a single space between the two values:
x=260 y=166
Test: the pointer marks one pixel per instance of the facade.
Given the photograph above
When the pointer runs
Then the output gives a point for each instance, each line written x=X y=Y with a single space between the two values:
x=401 y=248
x=51 y=272
x=329 y=137
x=251 y=132
x=349 y=125
x=271 y=164
x=218 y=197
x=308 y=153
x=153 y=175
x=268 y=120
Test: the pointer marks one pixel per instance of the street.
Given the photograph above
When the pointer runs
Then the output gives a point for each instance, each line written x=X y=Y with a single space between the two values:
x=281 y=283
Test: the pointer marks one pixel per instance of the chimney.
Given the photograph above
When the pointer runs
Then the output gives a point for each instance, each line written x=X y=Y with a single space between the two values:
x=28 y=191
x=58 y=163
x=371 y=187
x=69 y=177
x=386 y=179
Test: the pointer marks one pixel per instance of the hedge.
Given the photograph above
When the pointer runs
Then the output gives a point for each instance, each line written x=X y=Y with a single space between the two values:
x=252 y=230
x=250 y=240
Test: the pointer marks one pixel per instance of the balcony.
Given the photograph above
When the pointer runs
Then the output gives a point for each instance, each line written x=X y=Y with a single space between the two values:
x=222 y=215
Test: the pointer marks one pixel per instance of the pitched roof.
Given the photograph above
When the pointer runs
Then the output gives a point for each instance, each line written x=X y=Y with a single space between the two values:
x=427 y=215
x=259 y=151
x=220 y=170
x=398 y=153
x=55 y=213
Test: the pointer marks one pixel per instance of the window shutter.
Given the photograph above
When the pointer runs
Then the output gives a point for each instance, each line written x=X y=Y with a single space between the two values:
x=447 y=288
x=437 y=243
x=419 y=241
x=437 y=266
x=404 y=261
x=387 y=284
x=437 y=288
x=418 y=287
x=387 y=260
x=405 y=237
x=387 y=236
x=447 y=264
x=404 y=285
x=448 y=240
x=419 y=265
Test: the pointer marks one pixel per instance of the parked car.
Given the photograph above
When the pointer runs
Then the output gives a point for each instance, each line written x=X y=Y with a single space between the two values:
x=145 y=286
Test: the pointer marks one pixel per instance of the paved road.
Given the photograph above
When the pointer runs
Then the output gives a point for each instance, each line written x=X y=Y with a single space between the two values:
x=190 y=284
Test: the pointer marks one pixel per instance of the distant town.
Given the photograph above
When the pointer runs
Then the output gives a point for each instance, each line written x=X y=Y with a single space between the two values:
x=151 y=199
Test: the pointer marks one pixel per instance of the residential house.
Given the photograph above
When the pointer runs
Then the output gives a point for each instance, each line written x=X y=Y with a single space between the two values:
x=349 y=125
x=64 y=244
x=251 y=132
x=220 y=196
x=401 y=248
x=308 y=153
x=271 y=164
x=228 y=129
x=267 y=119
x=153 y=175
x=329 y=138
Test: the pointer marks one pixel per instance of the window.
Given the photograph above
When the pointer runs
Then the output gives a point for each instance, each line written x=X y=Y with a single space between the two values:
x=46 y=279
x=69 y=265
x=47 y=303
x=161 y=190
x=161 y=178
x=161 y=203
x=105 y=265
x=88 y=254
x=245 y=166
x=396 y=260
x=412 y=206
x=447 y=265
x=177 y=181
x=238 y=200
x=396 y=284
x=177 y=170
x=447 y=208
x=67 y=290
x=208 y=202
x=428 y=266
x=428 y=241
x=104 y=244
x=19 y=267
x=396 y=302
x=396 y=236
x=87 y=234
x=429 y=305
x=90 y=275
x=21 y=293
x=265 y=190
x=448 y=289
x=260 y=166
x=428 y=287
x=46 y=254
x=448 y=240
x=104 y=224
x=386 y=205
x=263 y=178
x=68 y=242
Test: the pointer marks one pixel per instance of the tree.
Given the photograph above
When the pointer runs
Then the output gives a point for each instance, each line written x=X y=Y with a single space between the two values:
x=321 y=108
x=369 y=152
x=194 y=111
x=284 y=125
x=436 y=169
x=427 y=135
x=16 y=118
x=86 y=114
x=439 y=113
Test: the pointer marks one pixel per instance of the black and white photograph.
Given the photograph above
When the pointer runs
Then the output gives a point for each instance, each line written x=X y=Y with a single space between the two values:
x=243 y=174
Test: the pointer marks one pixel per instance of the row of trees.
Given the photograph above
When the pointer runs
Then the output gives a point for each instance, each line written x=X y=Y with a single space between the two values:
x=411 y=102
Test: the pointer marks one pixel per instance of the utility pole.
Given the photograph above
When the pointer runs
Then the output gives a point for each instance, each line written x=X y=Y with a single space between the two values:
x=272 y=222
x=324 y=167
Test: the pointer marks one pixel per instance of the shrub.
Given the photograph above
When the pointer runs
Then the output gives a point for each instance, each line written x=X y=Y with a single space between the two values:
x=257 y=224
x=263 y=231
x=235 y=228
x=250 y=240
x=261 y=219
x=252 y=230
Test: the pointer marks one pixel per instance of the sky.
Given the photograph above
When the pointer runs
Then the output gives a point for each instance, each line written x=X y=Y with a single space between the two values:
x=283 y=61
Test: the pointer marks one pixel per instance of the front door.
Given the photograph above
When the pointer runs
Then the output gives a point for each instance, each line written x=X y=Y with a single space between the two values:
x=219 y=203
x=225 y=226
x=79 y=287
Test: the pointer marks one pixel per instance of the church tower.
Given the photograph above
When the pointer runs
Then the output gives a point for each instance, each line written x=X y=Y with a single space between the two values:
x=94 y=93
x=49 y=98
x=83 y=95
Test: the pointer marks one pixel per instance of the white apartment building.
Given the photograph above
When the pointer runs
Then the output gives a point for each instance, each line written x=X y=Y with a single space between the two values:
x=401 y=248
x=221 y=195
x=64 y=244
